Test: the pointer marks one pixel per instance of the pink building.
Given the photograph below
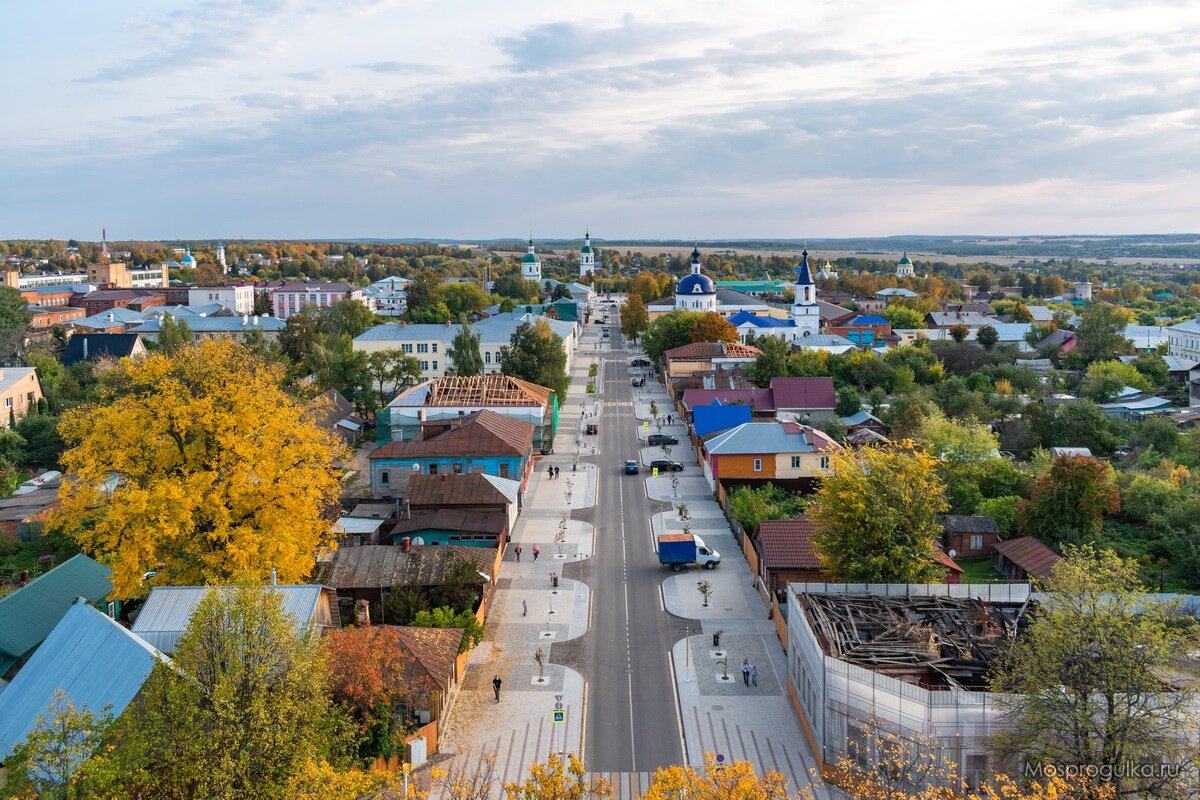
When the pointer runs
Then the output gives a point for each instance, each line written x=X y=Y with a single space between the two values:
x=289 y=297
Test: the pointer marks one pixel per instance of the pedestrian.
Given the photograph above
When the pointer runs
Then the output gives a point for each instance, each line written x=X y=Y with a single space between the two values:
x=496 y=682
x=524 y=608
x=537 y=551
x=517 y=550
x=746 y=671
x=549 y=471
x=753 y=675
x=556 y=473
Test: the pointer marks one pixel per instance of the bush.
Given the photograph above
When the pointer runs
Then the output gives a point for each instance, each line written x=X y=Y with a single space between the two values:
x=1003 y=510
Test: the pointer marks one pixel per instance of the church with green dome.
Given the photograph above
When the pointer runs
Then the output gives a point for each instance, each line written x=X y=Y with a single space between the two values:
x=531 y=265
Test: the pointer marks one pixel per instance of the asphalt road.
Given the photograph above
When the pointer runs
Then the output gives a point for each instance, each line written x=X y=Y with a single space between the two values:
x=632 y=721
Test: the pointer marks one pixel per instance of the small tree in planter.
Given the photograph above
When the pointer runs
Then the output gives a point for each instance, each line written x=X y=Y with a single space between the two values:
x=561 y=536
x=705 y=588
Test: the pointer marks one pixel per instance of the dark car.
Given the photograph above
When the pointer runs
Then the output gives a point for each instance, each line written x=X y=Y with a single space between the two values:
x=637 y=381
x=656 y=439
x=639 y=362
x=666 y=465
x=592 y=430
x=631 y=467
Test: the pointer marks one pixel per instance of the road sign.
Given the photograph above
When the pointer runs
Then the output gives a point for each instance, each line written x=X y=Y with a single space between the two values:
x=558 y=715
x=645 y=424
x=654 y=473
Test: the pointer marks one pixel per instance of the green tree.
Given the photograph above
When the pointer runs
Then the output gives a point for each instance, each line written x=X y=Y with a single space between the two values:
x=173 y=334
x=772 y=362
x=335 y=364
x=1003 y=510
x=43 y=445
x=959 y=333
x=1152 y=366
x=752 y=505
x=1084 y=683
x=424 y=291
x=535 y=353
x=465 y=298
x=876 y=516
x=393 y=371
x=52 y=763
x=464 y=352
x=903 y=318
x=517 y=288
x=1105 y=380
x=957 y=440
x=848 y=402
x=671 y=330
x=436 y=314
x=446 y=617
x=634 y=317
x=14 y=318
x=347 y=317
x=1069 y=502
x=263 y=305
x=1078 y=424
x=987 y=336
x=240 y=710
x=300 y=334
x=1101 y=332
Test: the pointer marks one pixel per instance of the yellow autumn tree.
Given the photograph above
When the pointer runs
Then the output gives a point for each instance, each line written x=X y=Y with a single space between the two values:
x=199 y=466
x=876 y=516
x=558 y=779
x=716 y=782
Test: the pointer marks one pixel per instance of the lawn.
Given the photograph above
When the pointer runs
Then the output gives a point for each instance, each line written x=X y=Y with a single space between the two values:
x=979 y=570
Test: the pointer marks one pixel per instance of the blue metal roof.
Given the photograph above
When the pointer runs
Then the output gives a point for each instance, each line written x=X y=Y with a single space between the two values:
x=96 y=662
x=29 y=614
x=743 y=317
x=168 y=609
x=867 y=319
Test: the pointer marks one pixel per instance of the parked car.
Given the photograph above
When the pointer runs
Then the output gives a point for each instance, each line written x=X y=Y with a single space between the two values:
x=592 y=430
x=639 y=362
x=631 y=467
x=637 y=381
x=666 y=465
x=656 y=439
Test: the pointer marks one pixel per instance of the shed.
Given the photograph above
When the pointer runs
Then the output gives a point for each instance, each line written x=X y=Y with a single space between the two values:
x=1023 y=558
x=168 y=610
x=969 y=535
x=30 y=613
x=786 y=552
x=96 y=662
x=454 y=526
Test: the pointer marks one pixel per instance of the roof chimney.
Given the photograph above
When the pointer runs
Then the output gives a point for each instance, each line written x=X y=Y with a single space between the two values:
x=245 y=319
x=85 y=348
x=406 y=545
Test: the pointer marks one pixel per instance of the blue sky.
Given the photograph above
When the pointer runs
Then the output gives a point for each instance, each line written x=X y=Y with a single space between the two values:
x=345 y=118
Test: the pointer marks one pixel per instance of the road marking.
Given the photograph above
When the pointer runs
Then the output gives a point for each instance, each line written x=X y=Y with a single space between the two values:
x=678 y=704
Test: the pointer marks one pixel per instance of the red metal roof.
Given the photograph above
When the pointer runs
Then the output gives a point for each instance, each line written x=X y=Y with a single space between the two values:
x=484 y=433
x=787 y=543
x=1029 y=554
x=704 y=351
x=813 y=392
x=468 y=489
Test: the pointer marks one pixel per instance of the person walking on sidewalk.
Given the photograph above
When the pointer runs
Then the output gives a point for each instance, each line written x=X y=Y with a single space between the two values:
x=746 y=671
x=496 y=682
x=517 y=551
x=556 y=473
x=524 y=608
x=550 y=472
x=537 y=551
x=753 y=675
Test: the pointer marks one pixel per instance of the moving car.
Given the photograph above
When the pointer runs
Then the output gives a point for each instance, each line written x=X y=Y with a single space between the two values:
x=666 y=465
x=656 y=439
x=631 y=467
x=592 y=430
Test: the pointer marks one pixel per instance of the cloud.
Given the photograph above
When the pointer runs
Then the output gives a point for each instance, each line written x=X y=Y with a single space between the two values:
x=400 y=68
x=561 y=44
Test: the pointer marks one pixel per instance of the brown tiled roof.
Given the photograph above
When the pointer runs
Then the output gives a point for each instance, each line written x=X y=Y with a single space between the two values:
x=962 y=523
x=434 y=650
x=483 y=433
x=945 y=560
x=787 y=543
x=467 y=489
x=703 y=351
x=1029 y=554
x=455 y=520
x=378 y=566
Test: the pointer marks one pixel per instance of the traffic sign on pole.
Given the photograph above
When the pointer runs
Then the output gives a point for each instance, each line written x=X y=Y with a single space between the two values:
x=558 y=715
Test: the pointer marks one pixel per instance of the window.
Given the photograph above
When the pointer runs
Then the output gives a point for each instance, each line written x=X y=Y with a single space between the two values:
x=434 y=347
x=976 y=542
x=423 y=348
x=487 y=357
x=824 y=462
x=424 y=366
x=406 y=348
x=504 y=470
x=458 y=469
x=795 y=462
x=385 y=477
x=433 y=469
x=8 y=402
x=435 y=366
x=758 y=465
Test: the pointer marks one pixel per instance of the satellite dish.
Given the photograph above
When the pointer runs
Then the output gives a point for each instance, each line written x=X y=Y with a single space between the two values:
x=418 y=540
x=952 y=554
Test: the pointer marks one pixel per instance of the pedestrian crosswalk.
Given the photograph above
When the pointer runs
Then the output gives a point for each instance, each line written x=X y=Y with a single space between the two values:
x=625 y=785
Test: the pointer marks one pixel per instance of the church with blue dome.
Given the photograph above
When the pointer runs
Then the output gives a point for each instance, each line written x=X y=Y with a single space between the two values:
x=696 y=292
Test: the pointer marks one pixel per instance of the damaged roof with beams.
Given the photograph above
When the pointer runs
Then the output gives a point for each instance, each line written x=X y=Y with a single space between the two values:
x=935 y=642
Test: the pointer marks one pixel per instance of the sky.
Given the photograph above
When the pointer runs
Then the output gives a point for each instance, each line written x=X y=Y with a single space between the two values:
x=663 y=119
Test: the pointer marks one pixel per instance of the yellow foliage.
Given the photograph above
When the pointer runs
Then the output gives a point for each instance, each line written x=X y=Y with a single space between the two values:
x=320 y=781
x=197 y=465
x=558 y=779
x=714 y=782
x=1004 y=387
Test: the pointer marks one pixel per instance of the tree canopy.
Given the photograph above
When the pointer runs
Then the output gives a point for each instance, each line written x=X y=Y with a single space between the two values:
x=197 y=466
x=1069 y=502
x=535 y=353
x=464 y=352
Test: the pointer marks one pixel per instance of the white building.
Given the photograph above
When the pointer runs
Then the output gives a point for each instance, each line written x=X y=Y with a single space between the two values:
x=904 y=267
x=236 y=298
x=531 y=265
x=695 y=292
x=221 y=259
x=806 y=315
x=1183 y=340
x=587 y=257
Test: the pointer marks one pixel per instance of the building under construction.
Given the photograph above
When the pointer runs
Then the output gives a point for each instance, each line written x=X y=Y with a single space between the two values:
x=906 y=659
